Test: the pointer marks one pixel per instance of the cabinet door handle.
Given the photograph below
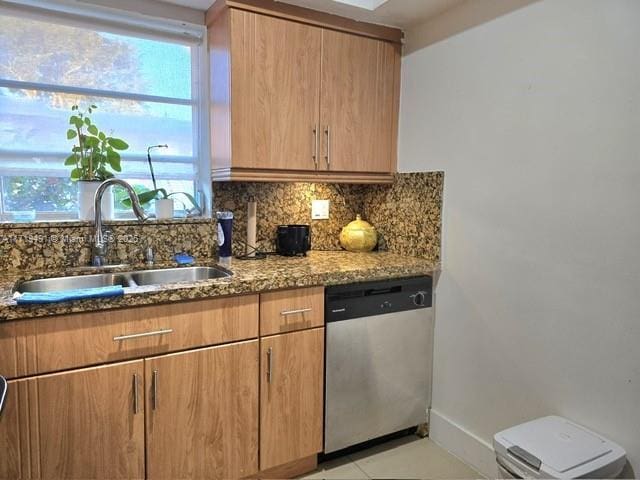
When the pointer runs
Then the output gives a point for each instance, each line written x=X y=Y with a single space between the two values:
x=154 y=390
x=164 y=331
x=269 y=364
x=327 y=157
x=314 y=148
x=3 y=392
x=284 y=313
x=136 y=394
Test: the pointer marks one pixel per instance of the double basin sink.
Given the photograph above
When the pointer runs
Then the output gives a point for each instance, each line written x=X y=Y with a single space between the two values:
x=124 y=279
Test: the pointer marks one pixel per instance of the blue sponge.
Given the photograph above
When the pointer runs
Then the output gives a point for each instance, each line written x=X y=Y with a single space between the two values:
x=184 y=259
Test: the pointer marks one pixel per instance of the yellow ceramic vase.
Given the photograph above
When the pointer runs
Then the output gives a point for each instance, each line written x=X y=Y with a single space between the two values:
x=359 y=236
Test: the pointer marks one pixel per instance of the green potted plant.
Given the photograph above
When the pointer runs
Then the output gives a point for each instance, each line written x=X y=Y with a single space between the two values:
x=94 y=157
x=163 y=201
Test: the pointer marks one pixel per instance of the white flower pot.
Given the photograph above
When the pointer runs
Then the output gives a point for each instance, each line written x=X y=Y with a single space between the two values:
x=164 y=208
x=86 y=199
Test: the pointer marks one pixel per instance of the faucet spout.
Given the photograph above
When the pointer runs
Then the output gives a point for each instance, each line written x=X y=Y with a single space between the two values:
x=100 y=244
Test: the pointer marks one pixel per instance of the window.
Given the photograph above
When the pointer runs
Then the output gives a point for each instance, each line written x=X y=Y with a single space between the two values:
x=145 y=83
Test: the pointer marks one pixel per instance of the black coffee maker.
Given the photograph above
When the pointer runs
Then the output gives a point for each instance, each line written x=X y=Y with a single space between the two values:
x=293 y=240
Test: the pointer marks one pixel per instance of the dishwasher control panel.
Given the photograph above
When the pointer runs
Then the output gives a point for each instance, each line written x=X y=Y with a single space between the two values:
x=343 y=302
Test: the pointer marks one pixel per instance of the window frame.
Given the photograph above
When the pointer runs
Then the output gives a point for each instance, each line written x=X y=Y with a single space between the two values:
x=109 y=20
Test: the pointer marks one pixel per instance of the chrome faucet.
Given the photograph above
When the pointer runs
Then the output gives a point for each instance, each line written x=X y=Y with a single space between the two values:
x=99 y=250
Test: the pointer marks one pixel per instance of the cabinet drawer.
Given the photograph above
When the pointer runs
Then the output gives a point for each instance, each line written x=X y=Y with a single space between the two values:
x=290 y=310
x=71 y=341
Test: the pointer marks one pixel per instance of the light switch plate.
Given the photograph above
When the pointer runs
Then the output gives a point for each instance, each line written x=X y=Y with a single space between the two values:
x=319 y=209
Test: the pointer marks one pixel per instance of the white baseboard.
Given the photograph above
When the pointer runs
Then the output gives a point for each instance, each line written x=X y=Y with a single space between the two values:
x=463 y=444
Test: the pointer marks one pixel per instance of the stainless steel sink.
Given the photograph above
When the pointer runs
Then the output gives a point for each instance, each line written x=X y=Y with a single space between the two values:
x=125 y=279
x=70 y=283
x=172 y=275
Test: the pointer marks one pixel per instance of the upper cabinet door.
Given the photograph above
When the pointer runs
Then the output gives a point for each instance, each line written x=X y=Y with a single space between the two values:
x=90 y=422
x=276 y=88
x=358 y=103
x=202 y=413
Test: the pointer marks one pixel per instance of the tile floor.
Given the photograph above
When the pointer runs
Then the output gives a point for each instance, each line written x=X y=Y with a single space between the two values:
x=405 y=458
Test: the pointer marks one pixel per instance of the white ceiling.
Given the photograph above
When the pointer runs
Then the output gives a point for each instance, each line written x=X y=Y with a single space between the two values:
x=398 y=13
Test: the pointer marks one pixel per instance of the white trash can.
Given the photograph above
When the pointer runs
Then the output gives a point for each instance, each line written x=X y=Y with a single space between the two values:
x=554 y=447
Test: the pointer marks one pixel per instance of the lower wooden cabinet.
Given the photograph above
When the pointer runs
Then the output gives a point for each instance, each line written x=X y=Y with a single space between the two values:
x=286 y=311
x=291 y=396
x=250 y=408
x=64 y=342
x=78 y=424
x=91 y=422
x=15 y=456
x=202 y=413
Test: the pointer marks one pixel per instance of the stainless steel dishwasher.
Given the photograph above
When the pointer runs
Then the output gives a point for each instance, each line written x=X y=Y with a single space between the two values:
x=379 y=350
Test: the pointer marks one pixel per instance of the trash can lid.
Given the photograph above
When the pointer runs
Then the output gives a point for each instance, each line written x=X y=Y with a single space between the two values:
x=557 y=443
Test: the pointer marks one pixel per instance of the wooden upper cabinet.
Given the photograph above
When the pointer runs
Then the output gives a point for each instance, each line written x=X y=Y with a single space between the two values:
x=202 y=413
x=291 y=396
x=276 y=84
x=90 y=423
x=296 y=99
x=357 y=103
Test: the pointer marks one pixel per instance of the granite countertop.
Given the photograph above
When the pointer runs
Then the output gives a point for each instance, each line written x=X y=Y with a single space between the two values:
x=275 y=272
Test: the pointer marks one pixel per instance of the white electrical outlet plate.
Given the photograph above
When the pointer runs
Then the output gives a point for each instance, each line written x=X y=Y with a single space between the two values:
x=319 y=209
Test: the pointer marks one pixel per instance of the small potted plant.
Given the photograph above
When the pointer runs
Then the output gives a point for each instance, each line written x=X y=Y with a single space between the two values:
x=94 y=158
x=163 y=203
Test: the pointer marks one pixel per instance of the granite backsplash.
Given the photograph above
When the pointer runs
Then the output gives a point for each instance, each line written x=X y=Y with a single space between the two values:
x=60 y=245
x=288 y=203
x=407 y=215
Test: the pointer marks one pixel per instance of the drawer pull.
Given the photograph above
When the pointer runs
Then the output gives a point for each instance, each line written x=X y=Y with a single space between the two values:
x=284 y=313
x=142 y=335
x=136 y=405
x=314 y=150
x=154 y=390
x=269 y=364
x=327 y=157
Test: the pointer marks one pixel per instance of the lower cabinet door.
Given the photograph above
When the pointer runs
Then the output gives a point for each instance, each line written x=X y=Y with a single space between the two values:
x=291 y=396
x=15 y=451
x=202 y=413
x=90 y=422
